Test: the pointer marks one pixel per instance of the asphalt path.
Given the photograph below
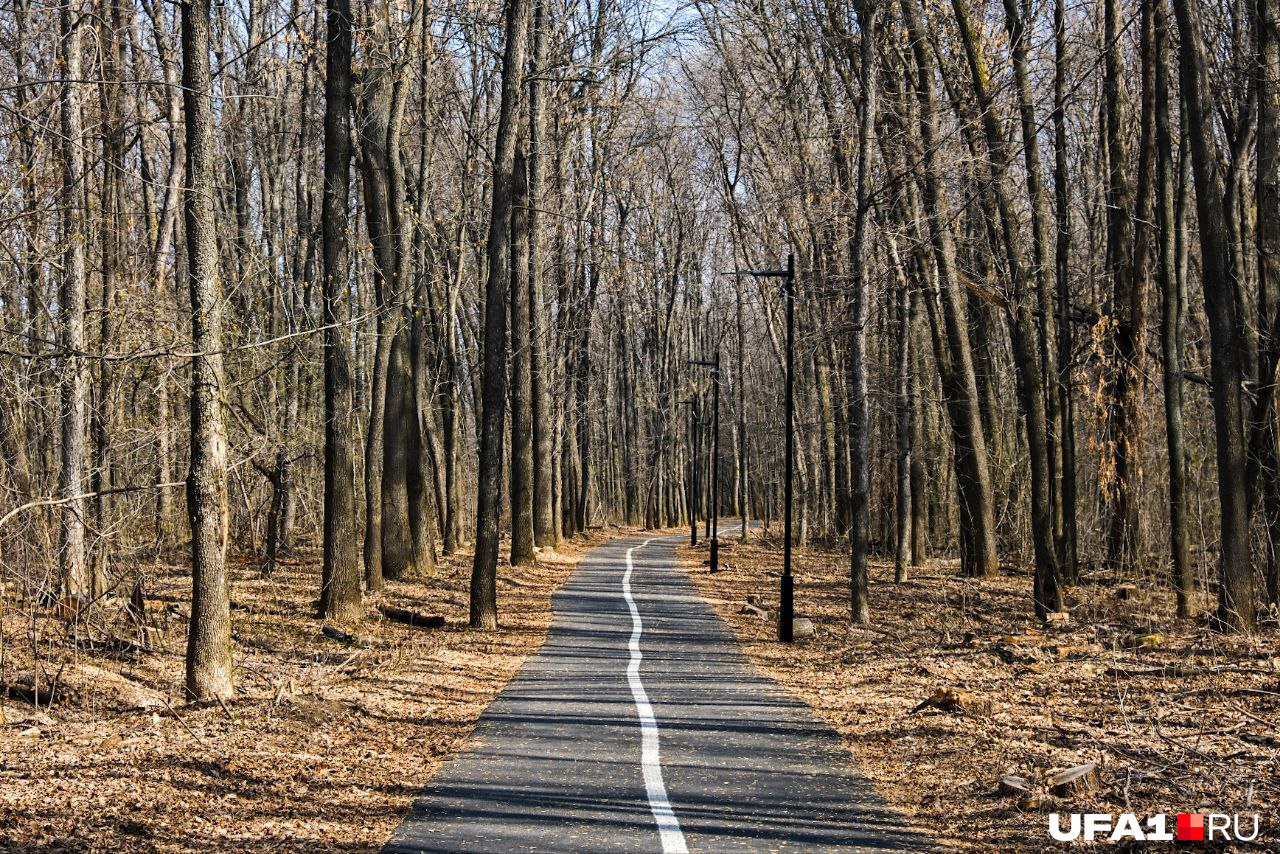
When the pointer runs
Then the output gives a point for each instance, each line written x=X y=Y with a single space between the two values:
x=640 y=726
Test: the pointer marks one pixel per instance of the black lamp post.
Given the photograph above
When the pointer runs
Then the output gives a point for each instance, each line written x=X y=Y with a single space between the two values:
x=713 y=512
x=786 y=598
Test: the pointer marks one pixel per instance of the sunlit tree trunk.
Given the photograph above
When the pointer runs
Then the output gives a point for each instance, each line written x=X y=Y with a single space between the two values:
x=484 y=593
x=209 y=636
x=71 y=301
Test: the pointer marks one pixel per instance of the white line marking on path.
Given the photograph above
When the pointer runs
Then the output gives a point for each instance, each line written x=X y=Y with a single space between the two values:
x=668 y=826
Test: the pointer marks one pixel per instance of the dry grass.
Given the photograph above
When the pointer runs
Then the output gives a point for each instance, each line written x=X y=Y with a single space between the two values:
x=1183 y=721
x=324 y=748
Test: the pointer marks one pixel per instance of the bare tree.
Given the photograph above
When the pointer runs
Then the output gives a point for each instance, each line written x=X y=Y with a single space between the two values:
x=484 y=596
x=340 y=593
x=71 y=300
x=1236 y=605
x=209 y=638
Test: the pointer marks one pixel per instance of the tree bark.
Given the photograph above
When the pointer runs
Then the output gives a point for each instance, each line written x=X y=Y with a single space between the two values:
x=859 y=406
x=209 y=668
x=403 y=553
x=1235 y=594
x=1062 y=216
x=484 y=593
x=1022 y=333
x=1043 y=261
x=545 y=530
x=380 y=110
x=973 y=478
x=71 y=302
x=1127 y=313
x=1173 y=312
x=522 y=535
x=902 y=414
x=1268 y=237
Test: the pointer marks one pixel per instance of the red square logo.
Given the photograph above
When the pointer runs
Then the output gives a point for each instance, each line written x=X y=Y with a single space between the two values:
x=1190 y=827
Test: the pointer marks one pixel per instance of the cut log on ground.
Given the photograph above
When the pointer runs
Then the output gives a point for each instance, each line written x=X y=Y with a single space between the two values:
x=335 y=633
x=82 y=685
x=411 y=618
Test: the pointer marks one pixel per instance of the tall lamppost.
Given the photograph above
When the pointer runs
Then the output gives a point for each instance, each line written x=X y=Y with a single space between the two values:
x=786 y=597
x=713 y=512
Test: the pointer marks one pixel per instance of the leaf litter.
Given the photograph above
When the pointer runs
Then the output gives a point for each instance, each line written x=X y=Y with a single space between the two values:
x=967 y=713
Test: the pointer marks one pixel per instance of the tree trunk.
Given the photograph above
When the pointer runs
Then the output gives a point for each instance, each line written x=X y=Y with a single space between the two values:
x=545 y=530
x=71 y=306
x=1235 y=594
x=380 y=110
x=903 y=547
x=484 y=593
x=1022 y=333
x=1042 y=256
x=401 y=451
x=450 y=415
x=973 y=478
x=209 y=639
x=859 y=405
x=522 y=538
x=1062 y=215
x=114 y=24
x=1127 y=313
x=1173 y=311
x=1268 y=237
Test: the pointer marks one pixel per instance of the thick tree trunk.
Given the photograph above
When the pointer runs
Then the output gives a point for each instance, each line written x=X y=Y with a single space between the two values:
x=209 y=637
x=423 y=486
x=1128 y=310
x=380 y=110
x=484 y=593
x=71 y=302
x=545 y=530
x=859 y=405
x=1268 y=236
x=403 y=553
x=1235 y=595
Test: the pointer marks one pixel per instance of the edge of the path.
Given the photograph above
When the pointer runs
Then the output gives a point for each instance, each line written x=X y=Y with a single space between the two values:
x=729 y=593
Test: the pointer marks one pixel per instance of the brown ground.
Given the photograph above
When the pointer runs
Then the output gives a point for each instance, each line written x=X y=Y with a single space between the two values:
x=1177 y=718
x=324 y=748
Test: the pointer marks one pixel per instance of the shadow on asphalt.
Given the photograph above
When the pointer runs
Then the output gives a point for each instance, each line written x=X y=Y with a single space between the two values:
x=554 y=763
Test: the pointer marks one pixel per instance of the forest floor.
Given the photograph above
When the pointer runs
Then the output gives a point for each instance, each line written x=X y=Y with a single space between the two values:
x=324 y=747
x=1176 y=718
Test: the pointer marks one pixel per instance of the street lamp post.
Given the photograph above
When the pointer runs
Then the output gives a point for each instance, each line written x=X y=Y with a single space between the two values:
x=786 y=597
x=786 y=605
x=713 y=512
